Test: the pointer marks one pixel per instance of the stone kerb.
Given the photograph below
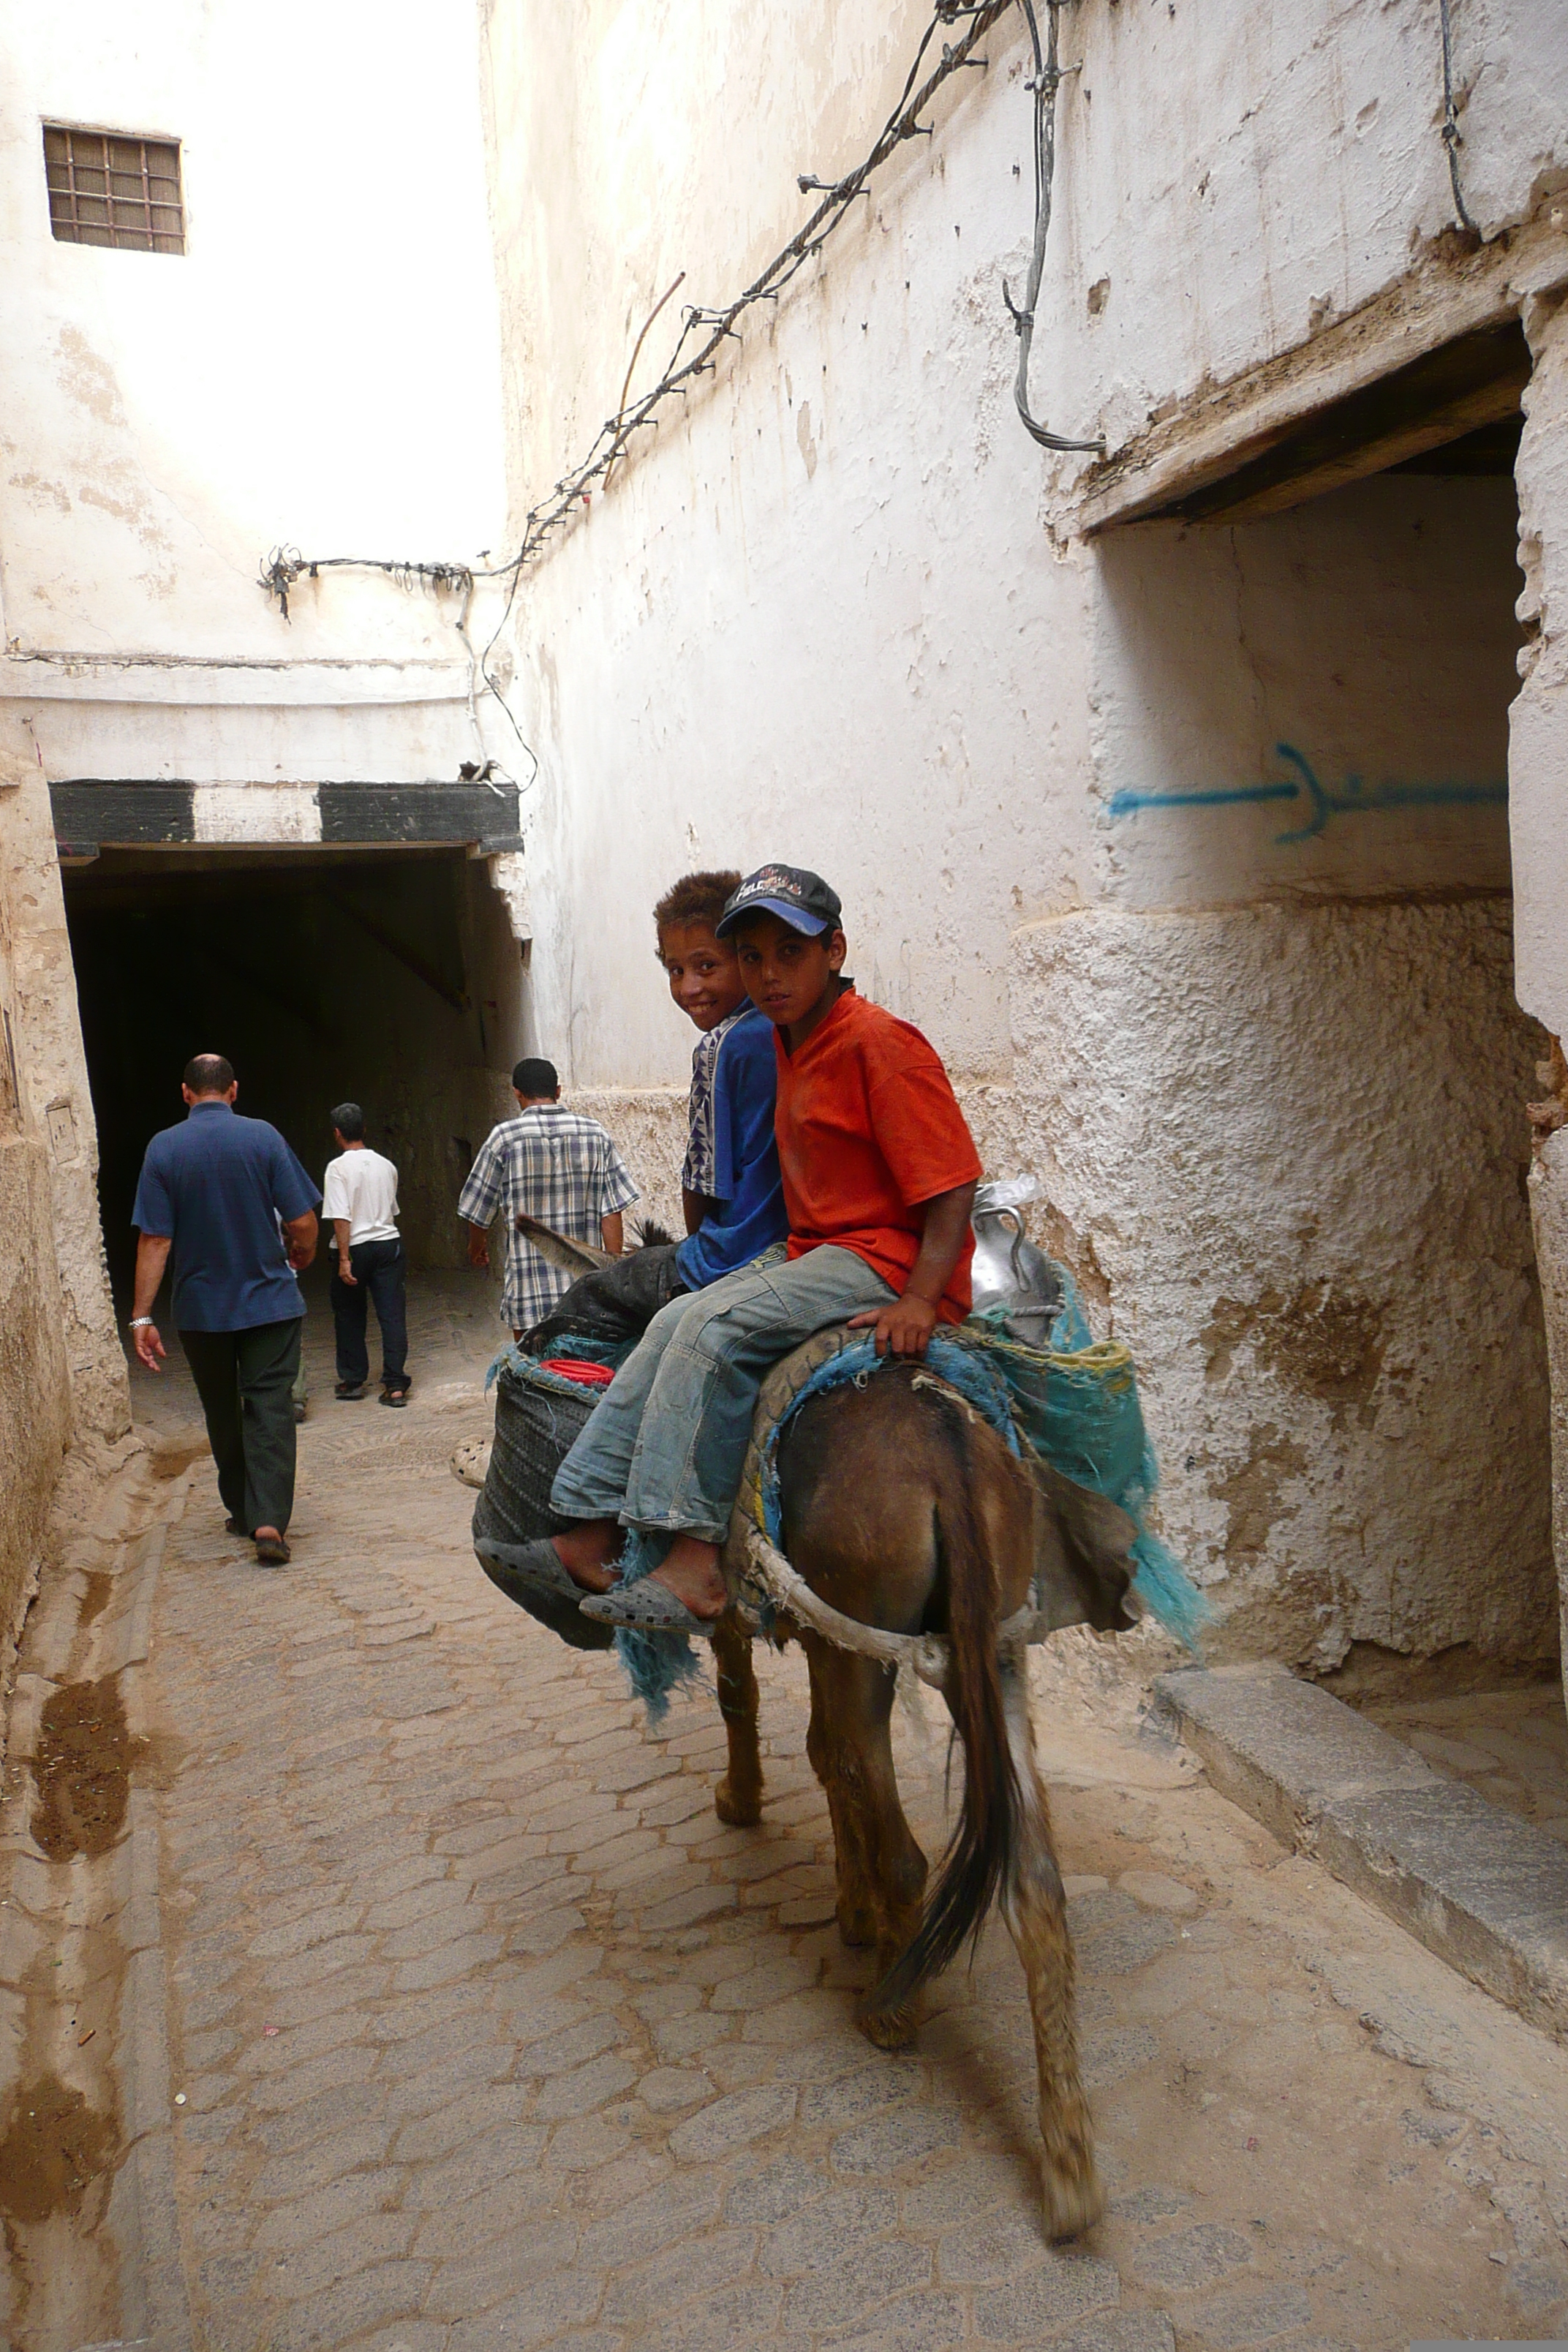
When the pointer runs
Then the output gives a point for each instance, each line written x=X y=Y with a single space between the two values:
x=1485 y=1892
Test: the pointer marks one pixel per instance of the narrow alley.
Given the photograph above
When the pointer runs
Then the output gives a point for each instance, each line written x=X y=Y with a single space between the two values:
x=887 y=680
x=462 y=2024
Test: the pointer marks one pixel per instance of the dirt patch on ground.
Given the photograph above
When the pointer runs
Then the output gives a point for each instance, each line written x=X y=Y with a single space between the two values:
x=53 y=2148
x=82 y=1770
x=95 y=1598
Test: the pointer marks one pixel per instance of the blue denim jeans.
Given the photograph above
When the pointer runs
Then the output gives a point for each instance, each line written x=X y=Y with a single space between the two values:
x=666 y=1444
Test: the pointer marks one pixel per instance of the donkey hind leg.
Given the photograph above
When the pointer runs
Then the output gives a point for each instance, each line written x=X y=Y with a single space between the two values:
x=882 y=1871
x=738 y=1799
x=857 y=1920
x=1035 y=1911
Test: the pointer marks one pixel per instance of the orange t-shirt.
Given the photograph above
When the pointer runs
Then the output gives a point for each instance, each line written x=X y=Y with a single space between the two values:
x=869 y=1132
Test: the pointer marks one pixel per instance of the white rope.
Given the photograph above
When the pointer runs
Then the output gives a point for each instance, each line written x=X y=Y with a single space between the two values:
x=925 y=1654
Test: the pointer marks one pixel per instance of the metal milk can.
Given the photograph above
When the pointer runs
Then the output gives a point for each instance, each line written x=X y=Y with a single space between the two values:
x=1009 y=1271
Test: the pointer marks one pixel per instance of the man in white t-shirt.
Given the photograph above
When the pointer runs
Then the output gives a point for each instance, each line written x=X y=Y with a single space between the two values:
x=359 y=1202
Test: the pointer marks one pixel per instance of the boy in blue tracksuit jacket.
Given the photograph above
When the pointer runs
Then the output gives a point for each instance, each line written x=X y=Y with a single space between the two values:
x=730 y=1186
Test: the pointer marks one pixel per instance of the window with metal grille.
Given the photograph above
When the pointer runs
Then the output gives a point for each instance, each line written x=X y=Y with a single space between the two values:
x=108 y=188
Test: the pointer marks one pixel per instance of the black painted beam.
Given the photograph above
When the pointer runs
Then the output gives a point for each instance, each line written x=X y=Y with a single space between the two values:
x=481 y=813
x=92 y=812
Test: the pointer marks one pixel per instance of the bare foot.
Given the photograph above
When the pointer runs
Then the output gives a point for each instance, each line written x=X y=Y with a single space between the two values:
x=690 y=1570
x=585 y=1552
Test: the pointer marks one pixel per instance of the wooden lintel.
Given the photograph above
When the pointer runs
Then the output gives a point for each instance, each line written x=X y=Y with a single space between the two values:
x=1487 y=405
x=1445 y=393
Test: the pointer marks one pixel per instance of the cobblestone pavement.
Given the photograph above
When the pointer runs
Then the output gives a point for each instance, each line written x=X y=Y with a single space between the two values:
x=485 y=2033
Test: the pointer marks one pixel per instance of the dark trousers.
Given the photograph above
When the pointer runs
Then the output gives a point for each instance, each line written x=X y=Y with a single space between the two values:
x=245 y=1381
x=380 y=1273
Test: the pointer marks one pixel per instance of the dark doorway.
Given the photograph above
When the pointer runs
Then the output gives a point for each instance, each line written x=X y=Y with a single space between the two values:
x=389 y=977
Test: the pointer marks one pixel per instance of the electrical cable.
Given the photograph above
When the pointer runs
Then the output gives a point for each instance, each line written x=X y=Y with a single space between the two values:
x=1453 y=139
x=1045 y=83
x=711 y=328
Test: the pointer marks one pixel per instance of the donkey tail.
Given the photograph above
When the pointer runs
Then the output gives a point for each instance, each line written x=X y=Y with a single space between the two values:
x=980 y=1858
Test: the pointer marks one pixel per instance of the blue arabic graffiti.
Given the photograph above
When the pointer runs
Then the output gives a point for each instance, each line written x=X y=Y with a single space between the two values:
x=1356 y=799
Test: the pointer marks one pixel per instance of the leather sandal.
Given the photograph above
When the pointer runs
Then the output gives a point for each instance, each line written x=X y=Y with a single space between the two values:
x=645 y=1607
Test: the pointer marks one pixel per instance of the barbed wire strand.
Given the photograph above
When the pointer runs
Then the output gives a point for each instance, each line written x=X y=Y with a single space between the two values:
x=710 y=328
x=637 y=353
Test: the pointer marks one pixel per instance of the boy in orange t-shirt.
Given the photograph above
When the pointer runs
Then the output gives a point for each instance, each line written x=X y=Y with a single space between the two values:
x=878 y=1172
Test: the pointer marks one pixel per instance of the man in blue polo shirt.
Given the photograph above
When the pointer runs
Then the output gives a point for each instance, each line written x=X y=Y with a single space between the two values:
x=232 y=1202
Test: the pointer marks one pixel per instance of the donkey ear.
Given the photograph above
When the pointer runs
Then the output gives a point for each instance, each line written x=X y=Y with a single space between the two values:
x=1085 y=1543
x=577 y=1257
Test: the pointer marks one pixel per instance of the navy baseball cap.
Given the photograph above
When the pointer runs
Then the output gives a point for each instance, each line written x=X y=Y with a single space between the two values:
x=802 y=900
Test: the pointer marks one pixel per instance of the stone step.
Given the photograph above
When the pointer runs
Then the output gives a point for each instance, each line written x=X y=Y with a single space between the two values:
x=1485 y=1891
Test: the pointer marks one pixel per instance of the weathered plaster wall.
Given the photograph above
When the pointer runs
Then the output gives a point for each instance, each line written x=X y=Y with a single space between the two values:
x=55 y=1108
x=1538 y=750
x=1337 y=680
x=1286 y=1143
x=649 y=1126
x=318 y=368
x=838 y=610
x=824 y=605
x=35 y=1386
x=61 y=1373
x=1236 y=180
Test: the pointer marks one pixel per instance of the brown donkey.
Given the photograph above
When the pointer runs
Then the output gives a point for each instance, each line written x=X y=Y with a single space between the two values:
x=901 y=1510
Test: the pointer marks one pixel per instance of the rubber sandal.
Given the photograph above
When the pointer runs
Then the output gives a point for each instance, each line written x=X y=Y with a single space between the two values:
x=395 y=1396
x=233 y=1527
x=349 y=1391
x=271 y=1551
x=645 y=1607
x=543 y=1602
x=536 y=1565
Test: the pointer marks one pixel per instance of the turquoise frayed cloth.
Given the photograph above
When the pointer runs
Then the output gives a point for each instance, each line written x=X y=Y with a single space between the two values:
x=656 y=1664
x=1075 y=1405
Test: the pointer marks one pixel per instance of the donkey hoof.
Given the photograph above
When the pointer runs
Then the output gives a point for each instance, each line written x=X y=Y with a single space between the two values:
x=742 y=1809
x=857 y=1925
x=1073 y=2203
x=889 y=2028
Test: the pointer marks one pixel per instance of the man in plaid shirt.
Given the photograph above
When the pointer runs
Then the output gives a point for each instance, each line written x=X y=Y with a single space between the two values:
x=551 y=1164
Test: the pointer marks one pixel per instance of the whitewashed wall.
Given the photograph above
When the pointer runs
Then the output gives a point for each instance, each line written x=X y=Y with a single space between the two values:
x=319 y=367
x=836 y=610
